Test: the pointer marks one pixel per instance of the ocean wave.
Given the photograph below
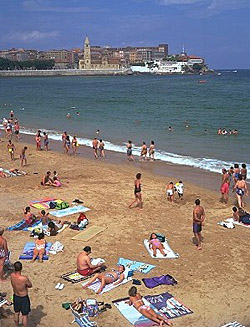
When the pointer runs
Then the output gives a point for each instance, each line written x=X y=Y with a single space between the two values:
x=209 y=164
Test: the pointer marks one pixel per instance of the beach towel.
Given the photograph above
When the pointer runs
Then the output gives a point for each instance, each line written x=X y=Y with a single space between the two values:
x=27 y=253
x=44 y=204
x=233 y=324
x=21 y=225
x=156 y=281
x=170 y=254
x=135 y=265
x=47 y=199
x=68 y=211
x=75 y=277
x=230 y=222
x=40 y=206
x=88 y=233
x=133 y=315
x=168 y=305
x=11 y=174
x=96 y=285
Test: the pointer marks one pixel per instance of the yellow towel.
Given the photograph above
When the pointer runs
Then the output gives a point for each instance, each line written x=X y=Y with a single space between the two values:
x=88 y=233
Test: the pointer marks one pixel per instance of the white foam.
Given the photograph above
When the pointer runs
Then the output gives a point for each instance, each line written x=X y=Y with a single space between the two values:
x=209 y=164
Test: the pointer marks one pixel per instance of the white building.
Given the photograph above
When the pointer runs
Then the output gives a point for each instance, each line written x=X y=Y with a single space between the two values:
x=161 y=67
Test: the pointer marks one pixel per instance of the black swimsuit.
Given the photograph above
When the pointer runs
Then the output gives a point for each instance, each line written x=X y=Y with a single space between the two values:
x=138 y=189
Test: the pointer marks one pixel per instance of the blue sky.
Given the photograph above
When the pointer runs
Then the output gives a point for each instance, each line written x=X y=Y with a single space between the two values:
x=215 y=29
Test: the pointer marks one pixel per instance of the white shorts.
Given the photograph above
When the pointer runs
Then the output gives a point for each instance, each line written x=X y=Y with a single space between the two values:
x=170 y=192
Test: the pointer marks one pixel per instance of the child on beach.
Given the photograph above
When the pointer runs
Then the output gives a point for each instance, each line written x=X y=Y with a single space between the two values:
x=39 y=249
x=11 y=148
x=170 y=192
x=179 y=187
x=155 y=244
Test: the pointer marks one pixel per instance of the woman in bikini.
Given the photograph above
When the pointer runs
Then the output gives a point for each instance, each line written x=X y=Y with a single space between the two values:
x=155 y=244
x=144 y=151
x=240 y=189
x=74 y=144
x=3 y=253
x=29 y=217
x=135 y=299
x=129 y=151
x=115 y=277
x=39 y=249
x=38 y=140
x=137 y=192
x=11 y=148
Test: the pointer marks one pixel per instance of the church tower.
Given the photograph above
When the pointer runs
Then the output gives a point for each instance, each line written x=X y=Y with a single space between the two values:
x=87 y=54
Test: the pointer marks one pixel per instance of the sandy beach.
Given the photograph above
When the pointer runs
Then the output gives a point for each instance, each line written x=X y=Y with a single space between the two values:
x=213 y=283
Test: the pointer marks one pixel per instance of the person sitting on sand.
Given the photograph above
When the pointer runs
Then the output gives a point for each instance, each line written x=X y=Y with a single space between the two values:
x=39 y=249
x=52 y=229
x=170 y=192
x=136 y=300
x=156 y=244
x=115 y=277
x=44 y=216
x=84 y=266
x=46 y=180
x=29 y=217
x=3 y=253
x=56 y=182
x=236 y=215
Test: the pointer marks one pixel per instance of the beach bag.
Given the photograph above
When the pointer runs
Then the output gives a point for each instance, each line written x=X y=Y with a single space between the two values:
x=52 y=205
x=161 y=237
x=62 y=205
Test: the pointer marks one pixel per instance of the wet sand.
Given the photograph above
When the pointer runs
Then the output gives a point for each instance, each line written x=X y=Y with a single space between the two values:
x=213 y=283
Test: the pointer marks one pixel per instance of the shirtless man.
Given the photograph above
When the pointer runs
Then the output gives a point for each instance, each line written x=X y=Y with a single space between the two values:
x=224 y=189
x=3 y=253
x=95 y=147
x=11 y=148
x=84 y=266
x=47 y=181
x=198 y=220
x=240 y=189
x=144 y=151
x=243 y=171
x=23 y=157
x=21 y=300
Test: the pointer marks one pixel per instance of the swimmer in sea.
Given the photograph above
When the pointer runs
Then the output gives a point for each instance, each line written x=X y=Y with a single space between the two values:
x=68 y=115
x=11 y=148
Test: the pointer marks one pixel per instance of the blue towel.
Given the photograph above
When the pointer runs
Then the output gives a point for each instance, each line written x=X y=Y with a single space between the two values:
x=21 y=225
x=28 y=249
x=135 y=265
x=68 y=211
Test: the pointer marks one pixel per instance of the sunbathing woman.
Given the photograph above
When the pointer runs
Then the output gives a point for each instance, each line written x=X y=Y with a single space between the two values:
x=39 y=249
x=29 y=217
x=155 y=244
x=136 y=300
x=137 y=192
x=115 y=276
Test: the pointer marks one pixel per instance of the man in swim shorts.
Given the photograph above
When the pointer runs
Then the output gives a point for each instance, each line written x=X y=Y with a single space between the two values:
x=224 y=189
x=95 y=144
x=23 y=157
x=21 y=301
x=198 y=220
x=84 y=266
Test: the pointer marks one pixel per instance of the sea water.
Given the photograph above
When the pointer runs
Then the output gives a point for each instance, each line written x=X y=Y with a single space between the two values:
x=141 y=108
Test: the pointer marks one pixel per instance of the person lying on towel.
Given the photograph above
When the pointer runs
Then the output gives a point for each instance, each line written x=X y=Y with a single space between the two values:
x=115 y=276
x=135 y=299
x=84 y=266
x=156 y=244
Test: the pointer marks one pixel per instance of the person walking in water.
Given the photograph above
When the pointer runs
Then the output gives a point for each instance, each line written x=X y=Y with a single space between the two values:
x=198 y=220
x=144 y=151
x=137 y=192
x=74 y=145
x=225 y=182
x=46 y=141
x=95 y=147
x=151 y=151
x=129 y=151
x=21 y=301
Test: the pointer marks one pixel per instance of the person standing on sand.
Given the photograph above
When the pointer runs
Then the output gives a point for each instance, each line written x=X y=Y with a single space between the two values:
x=67 y=145
x=23 y=157
x=198 y=220
x=243 y=171
x=129 y=151
x=3 y=253
x=95 y=147
x=144 y=151
x=137 y=192
x=38 y=141
x=11 y=148
x=17 y=129
x=170 y=192
x=21 y=301
x=224 y=189
x=101 y=149
x=74 y=144
x=240 y=189
x=46 y=141
x=64 y=135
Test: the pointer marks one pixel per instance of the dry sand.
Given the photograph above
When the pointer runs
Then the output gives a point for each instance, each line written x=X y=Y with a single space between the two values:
x=214 y=282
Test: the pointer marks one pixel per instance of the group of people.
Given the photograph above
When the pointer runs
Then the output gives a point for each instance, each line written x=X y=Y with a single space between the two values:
x=237 y=176
x=67 y=143
x=98 y=146
x=49 y=180
x=223 y=131
x=10 y=125
x=38 y=139
x=12 y=149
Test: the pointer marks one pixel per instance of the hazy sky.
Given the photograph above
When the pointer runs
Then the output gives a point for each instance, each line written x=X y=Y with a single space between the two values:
x=215 y=29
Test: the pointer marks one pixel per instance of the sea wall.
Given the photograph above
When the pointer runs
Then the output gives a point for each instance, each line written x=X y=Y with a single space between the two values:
x=63 y=72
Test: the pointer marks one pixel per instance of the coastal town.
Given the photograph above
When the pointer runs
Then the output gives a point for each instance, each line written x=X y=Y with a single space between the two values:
x=150 y=59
